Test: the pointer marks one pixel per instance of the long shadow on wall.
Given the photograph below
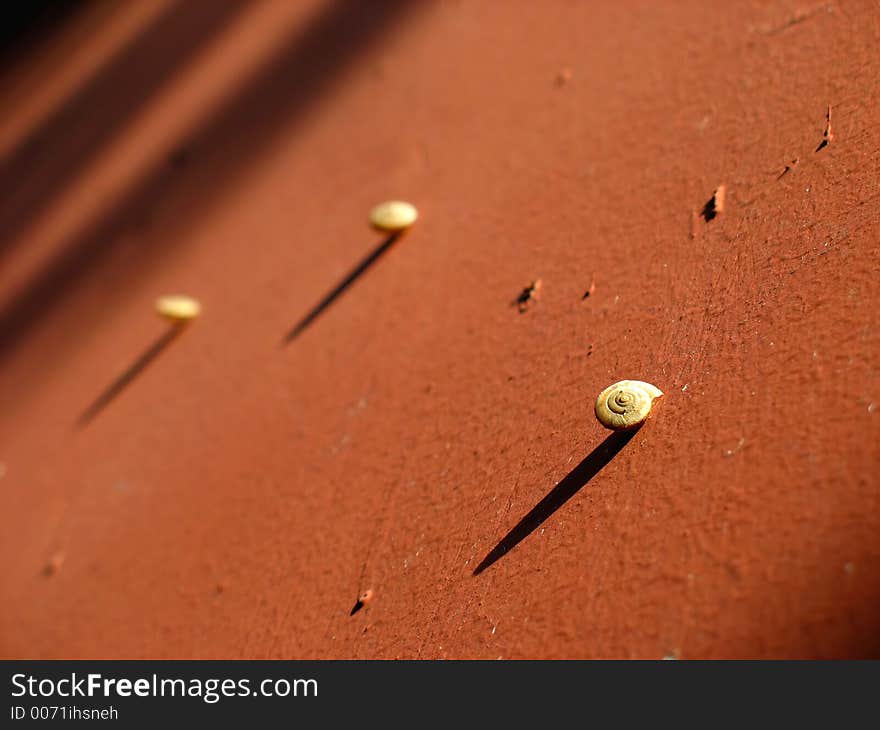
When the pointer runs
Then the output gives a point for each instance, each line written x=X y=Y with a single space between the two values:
x=271 y=101
x=573 y=482
x=110 y=393
x=340 y=289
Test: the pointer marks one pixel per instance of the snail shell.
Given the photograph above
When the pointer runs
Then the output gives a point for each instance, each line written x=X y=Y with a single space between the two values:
x=393 y=216
x=178 y=307
x=626 y=405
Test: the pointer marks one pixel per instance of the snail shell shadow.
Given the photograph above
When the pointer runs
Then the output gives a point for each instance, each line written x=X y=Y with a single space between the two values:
x=573 y=482
x=341 y=287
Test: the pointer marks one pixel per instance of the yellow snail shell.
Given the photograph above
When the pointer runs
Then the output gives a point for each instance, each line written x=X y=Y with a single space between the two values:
x=178 y=308
x=393 y=216
x=626 y=404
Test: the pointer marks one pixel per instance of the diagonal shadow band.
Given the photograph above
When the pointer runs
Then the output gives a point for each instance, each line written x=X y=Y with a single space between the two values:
x=340 y=288
x=268 y=102
x=51 y=156
x=573 y=482
x=118 y=385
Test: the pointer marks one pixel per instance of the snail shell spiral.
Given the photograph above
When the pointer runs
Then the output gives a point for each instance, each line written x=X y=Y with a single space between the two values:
x=626 y=405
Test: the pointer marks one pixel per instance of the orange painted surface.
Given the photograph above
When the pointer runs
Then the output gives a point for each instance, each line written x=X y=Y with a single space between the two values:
x=238 y=494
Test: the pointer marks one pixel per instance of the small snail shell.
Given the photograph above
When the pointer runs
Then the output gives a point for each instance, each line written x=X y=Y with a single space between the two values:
x=393 y=216
x=626 y=404
x=178 y=308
